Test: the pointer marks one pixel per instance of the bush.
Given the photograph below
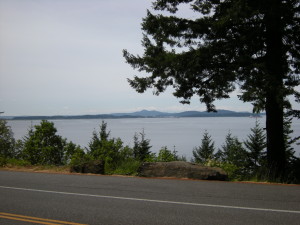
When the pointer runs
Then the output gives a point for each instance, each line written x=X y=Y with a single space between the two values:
x=7 y=141
x=2 y=161
x=127 y=167
x=109 y=150
x=117 y=158
x=232 y=157
x=43 y=146
x=17 y=162
x=166 y=155
x=90 y=166
x=70 y=149
x=294 y=171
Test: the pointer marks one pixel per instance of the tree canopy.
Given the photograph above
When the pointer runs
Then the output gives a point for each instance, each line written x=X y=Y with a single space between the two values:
x=252 y=45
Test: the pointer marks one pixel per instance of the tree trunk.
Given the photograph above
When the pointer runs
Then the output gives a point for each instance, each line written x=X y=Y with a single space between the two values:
x=275 y=140
x=275 y=64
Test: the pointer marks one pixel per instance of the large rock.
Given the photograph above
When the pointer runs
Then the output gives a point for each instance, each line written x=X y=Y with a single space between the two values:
x=181 y=169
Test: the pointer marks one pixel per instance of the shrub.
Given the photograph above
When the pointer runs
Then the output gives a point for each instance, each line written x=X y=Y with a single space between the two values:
x=166 y=155
x=7 y=141
x=233 y=158
x=17 y=162
x=127 y=167
x=43 y=145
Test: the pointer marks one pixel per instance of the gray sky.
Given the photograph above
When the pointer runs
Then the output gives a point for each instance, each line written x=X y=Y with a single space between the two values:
x=61 y=57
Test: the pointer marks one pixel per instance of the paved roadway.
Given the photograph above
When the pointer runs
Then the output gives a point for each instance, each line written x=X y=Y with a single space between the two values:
x=125 y=200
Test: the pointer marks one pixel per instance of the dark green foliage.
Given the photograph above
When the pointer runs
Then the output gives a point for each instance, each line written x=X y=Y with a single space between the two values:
x=97 y=146
x=256 y=146
x=293 y=167
x=232 y=151
x=166 y=155
x=229 y=43
x=7 y=141
x=107 y=155
x=288 y=140
x=233 y=158
x=204 y=153
x=89 y=166
x=129 y=166
x=70 y=151
x=43 y=145
x=141 y=148
x=293 y=174
x=248 y=44
x=101 y=147
x=117 y=158
x=79 y=158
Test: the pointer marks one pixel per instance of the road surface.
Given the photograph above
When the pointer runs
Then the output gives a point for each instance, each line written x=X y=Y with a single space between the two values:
x=41 y=198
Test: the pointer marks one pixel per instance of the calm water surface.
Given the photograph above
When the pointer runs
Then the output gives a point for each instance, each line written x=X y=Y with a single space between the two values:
x=183 y=133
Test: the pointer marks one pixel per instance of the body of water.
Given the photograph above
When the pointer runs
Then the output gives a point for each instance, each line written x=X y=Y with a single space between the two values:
x=182 y=133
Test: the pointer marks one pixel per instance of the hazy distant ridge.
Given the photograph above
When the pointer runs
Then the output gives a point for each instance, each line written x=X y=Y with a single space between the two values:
x=143 y=114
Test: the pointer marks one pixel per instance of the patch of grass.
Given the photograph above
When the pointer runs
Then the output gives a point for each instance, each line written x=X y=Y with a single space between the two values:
x=128 y=167
x=17 y=163
x=23 y=165
x=52 y=168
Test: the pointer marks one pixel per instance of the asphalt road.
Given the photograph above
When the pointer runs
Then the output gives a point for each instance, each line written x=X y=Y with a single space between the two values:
x=40 y=198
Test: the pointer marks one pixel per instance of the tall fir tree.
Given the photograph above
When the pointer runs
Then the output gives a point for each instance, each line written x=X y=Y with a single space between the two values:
x=249 y=44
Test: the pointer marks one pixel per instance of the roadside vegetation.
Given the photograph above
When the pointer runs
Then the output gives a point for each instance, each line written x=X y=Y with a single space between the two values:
x=44 y=149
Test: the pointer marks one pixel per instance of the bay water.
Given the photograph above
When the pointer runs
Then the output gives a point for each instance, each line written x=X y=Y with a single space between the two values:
x=181 y=134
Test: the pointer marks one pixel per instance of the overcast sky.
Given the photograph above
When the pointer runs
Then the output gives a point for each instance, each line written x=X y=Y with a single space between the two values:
x=61 y=57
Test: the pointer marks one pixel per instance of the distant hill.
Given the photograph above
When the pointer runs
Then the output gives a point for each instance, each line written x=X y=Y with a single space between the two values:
x=143 y=114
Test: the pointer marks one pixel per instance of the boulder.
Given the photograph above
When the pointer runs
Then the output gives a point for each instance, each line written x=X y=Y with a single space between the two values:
x=179 y=169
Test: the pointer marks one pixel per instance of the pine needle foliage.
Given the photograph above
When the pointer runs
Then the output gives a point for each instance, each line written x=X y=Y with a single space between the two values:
x=205 y=152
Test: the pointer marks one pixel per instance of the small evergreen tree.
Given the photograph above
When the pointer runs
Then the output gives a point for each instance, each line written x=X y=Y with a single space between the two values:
x=233 y=157
x=43 y=145
x=233 y=151
x=256 y=146
x=104 y=134
x=204 y=153
x=293 y=167
x=96 y=145
x=104 y=148
x=288 y=140
x=166 y=155
x=7 y=141
x=141 y=148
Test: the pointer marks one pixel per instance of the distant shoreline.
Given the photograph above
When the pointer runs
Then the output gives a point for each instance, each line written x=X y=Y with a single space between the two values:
x=139 y=114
